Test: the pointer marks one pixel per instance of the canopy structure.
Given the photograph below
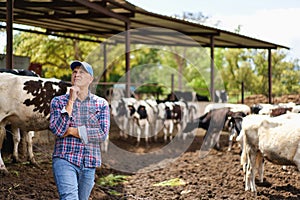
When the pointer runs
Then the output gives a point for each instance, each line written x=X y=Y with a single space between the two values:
x=105 y=18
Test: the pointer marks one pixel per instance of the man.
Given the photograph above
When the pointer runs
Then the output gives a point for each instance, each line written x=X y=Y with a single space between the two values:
x=80 y=121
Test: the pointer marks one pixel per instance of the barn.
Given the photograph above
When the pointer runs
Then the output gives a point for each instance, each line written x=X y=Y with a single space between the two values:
x=182 y=175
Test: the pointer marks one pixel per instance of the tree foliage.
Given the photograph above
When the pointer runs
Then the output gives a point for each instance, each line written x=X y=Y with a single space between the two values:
x=251 y=68
x=53 y=53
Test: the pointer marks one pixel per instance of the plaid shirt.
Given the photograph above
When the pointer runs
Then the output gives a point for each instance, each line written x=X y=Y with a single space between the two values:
x=93 y=114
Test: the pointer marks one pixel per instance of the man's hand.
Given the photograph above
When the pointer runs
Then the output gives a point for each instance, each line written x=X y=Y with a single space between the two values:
x=72 y=131
x=74 y=90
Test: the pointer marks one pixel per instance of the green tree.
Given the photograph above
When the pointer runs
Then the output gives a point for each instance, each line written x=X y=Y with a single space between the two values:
x=53 y=53
x=285 y=74
x=251 y=68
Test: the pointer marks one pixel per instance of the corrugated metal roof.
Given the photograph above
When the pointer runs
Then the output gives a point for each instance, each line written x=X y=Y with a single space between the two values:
x=106 y=18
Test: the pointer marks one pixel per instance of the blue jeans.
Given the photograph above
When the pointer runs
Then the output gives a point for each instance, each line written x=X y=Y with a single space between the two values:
x=72 y=182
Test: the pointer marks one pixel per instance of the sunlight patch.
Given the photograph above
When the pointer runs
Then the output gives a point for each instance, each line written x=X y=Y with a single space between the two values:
x=171 y=182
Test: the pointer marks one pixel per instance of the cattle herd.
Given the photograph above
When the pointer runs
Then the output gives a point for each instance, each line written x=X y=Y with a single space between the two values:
x=263 y=131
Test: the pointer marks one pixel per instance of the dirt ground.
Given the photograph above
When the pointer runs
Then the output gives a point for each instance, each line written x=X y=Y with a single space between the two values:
x=216 y=176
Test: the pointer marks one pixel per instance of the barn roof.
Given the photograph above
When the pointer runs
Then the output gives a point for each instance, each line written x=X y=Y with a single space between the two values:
x=106 y=18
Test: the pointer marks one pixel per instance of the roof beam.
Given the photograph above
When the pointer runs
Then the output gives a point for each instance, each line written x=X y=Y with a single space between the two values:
x=65 y=16
x=103 y=10
x=53 y=33
x=122 y=5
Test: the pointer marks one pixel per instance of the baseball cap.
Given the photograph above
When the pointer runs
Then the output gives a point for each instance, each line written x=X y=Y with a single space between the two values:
x=85 y=65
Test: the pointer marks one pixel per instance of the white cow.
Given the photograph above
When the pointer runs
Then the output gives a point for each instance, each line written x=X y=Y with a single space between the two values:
x=276 y=139
x=25 y=104
x=175 y=114
x=233 y=107
x=165 y=119
x=144 y=115
x=121 y=110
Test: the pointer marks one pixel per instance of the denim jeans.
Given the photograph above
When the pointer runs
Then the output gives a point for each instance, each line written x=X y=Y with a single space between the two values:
x=72 y=182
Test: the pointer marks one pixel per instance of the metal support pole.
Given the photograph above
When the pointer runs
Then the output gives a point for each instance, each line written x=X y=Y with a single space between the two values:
x=127 y=59
x=104 y=62
x=9 y=34
x=172 y=98
x=212 y=69
x=243 y=90
x=270 y=74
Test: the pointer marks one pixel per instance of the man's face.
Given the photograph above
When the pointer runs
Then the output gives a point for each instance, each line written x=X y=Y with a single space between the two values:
x=81 y=78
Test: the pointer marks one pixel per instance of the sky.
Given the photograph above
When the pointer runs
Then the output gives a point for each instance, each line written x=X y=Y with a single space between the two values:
x=274 y=21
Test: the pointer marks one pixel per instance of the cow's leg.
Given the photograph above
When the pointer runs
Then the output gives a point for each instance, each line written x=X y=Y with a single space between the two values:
x=157 y=129
x=171 y=128
x=179 y=130
x=217 y=140
x=296 y=157
x=16 y=135
x=28 y=136
x=232 y=134
x=2 y=136
x=138 y=135
x=184 y=135
x=250 y=172
x=146 y=131
x=165 y=130
x=247 y=174
x=260 y=166
x=125 y=125
x=104 y=145
x=132 y=127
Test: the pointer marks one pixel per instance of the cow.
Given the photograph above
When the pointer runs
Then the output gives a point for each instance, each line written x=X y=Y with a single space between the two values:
x=17 y=136
x=255 y=108
x=20 y=72
x=135 y=117
x=185 y=96
x=233 y=107
x=234 y=126
x=177 y=114
x=274 y=138
x=215 y=121
x=169 y=115
x=280 y=111
x=262 y=108
x=122 y=111
x=25 y=104
x=189 y=113
x=272 y=109
x=221 y=96
x=144 y=113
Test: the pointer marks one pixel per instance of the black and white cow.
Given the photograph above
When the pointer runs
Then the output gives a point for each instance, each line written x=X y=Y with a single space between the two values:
x=173 y=115
x=144 y=115
x=169 y=115
x=16 y=137
x=25 y=104
x=214 y=122
x=122 y=110
x=20 y=72
x=234 y=126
